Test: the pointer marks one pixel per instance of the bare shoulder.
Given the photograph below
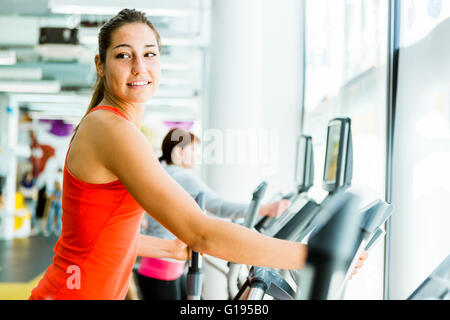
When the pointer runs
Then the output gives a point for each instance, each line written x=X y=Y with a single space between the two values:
x=101 y=125
x=110 y=134
x=102 y=137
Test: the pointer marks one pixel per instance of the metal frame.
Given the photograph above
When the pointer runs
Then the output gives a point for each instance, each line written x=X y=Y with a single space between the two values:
x=302 y=107
x=393 y=55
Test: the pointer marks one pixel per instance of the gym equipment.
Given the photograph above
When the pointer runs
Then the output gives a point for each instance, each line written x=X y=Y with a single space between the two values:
x=234 y=273
x=304 y=178
x=262 y=281
x=234 y=270
x=338 y=171
x=266 y=278
x=195 y=274
x=253 y=208
x=373 y=216
x=337 y=178
x=339 y=231
x=335 y=249
x=436 y=286
x=330 y=249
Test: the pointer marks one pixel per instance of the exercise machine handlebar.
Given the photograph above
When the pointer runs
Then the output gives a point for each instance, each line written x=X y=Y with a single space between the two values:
x=195 y=271
x=253 y=208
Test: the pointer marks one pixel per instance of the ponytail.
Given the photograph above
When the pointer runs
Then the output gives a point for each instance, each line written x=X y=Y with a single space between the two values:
x=99 y=93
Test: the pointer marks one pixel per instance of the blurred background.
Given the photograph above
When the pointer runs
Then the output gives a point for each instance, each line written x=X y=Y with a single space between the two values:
x=259 y=72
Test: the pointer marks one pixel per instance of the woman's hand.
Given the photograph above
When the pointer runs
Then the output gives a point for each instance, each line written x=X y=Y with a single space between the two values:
x=180 y=250
x=274 y=209
x=154 y=247
x=359 y=265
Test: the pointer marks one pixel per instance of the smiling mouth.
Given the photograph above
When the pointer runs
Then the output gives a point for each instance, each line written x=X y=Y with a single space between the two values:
x=139 y=83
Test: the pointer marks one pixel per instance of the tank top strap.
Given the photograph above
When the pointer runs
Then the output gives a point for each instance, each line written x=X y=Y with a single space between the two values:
x=104 y=107
x=115 y=110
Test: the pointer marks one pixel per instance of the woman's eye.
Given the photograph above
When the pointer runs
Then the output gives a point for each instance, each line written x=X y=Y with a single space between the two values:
x=122 y=55
x=150 y=54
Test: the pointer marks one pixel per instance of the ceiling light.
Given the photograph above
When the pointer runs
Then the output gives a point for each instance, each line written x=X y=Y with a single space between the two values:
x=18 y=73
x=7 y=57
x=111 y=11
x=44 y=86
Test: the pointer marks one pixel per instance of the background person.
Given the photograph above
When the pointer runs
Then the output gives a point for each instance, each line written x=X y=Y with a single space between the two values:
x=55 y=211
x=29 y=191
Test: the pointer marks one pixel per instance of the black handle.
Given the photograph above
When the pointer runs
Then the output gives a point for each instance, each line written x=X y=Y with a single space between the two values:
x=195 y=264
x=195 y=272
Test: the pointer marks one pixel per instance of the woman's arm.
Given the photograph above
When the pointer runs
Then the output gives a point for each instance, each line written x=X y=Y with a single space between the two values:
x=123 y=150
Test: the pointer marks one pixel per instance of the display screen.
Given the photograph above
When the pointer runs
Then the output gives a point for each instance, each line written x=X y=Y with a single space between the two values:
x=301 y=158
x=332 y=153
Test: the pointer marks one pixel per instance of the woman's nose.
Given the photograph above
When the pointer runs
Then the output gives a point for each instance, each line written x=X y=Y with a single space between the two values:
x=138 y=66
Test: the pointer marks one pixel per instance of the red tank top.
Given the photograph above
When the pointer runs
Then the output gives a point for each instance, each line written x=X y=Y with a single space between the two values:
x=97 y=249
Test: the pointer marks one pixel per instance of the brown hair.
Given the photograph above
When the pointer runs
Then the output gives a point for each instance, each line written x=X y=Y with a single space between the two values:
x=125 y=16
x=176 y=138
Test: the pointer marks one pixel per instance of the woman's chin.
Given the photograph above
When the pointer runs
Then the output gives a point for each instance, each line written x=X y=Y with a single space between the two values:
x=144 y=98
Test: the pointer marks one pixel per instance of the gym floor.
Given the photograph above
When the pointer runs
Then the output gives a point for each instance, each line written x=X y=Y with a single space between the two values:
x=22 y=264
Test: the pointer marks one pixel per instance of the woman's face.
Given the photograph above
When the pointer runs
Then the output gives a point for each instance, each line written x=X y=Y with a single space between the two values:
x=132 y=68
x=190 y=155
x=28 y=177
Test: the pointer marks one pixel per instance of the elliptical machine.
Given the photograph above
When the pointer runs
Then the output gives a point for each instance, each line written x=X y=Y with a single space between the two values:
x=337 y=178
x=339 y=232
x=304 y=177
x=195 y=271
x=335 y=246
x=335 y=222
x=235 y=271
x=338 y=172
x=304 y=180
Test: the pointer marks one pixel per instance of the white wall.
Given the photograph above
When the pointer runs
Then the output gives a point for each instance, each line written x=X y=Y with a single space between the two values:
x=256 y=74
x=255 y=93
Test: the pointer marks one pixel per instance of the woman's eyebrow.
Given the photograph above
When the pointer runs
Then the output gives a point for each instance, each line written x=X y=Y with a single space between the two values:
x=127 y=45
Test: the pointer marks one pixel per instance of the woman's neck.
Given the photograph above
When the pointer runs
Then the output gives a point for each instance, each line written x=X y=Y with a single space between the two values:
x=134 y=112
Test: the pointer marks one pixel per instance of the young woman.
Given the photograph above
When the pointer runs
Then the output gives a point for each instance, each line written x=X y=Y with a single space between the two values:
x=55 y=210
x=163 y=279
x=111 y=176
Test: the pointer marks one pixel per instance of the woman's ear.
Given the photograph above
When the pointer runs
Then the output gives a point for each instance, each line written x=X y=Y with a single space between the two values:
x=99 y=66
x=177 y=155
